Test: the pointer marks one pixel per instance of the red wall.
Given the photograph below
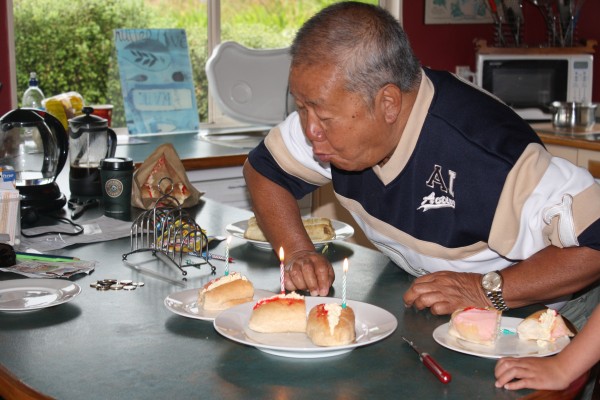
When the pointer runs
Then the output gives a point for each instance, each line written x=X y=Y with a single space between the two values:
x=446 y=46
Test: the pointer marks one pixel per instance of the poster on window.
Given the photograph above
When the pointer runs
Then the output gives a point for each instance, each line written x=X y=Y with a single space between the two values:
x=156 y=81
x=457 y=11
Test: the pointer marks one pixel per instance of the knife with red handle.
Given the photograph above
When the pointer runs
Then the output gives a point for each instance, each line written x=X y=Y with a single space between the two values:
x=437 y=370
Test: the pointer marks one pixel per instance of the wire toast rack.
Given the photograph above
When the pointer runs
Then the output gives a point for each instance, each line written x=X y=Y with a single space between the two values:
x=170 y=234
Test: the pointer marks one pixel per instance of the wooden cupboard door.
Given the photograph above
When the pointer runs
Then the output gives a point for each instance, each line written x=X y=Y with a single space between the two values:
x=591 y=160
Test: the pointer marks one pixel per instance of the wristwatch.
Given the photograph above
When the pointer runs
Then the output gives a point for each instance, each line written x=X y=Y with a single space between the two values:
x=492 y=286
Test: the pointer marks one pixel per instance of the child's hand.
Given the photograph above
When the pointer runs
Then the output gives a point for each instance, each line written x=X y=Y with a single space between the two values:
x=531 y=373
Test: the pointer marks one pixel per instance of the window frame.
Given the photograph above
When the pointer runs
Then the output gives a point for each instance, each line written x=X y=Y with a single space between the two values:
x=215 y=116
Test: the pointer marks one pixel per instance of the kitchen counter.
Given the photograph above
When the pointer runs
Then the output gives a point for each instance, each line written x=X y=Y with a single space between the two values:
x=588 y=139
x=197 y=150
x=214 y=149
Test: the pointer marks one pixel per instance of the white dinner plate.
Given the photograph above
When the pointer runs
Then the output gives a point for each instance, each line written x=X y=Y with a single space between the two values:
x=185 y=303
x=372 y=325
x=342 y=230
x=507 y=345
x=33 y=293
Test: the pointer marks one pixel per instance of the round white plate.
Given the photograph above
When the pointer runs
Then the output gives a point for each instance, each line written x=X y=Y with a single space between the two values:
x=185 y=304
x=33 y=294
x=507 y=345
x=372 y=324
x=343 y=231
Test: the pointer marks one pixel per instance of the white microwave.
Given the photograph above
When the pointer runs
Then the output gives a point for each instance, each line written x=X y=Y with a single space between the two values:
x=528 y=83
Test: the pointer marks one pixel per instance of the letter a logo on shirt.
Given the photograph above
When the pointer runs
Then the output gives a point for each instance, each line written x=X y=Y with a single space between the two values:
x=436 y=179
x=431 y=201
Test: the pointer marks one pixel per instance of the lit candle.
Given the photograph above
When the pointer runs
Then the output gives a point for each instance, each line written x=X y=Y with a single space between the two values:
x=281 y=269
x=227 y=256
x=344 y=283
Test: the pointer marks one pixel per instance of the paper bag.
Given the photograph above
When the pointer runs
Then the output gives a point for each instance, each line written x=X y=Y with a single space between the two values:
x=163 y=173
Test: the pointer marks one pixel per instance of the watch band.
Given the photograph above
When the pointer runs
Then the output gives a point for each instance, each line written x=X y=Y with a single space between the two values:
x=497 y=300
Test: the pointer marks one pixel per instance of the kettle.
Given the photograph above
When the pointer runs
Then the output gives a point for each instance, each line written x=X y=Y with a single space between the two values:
x=35 y=144
x=90 y=141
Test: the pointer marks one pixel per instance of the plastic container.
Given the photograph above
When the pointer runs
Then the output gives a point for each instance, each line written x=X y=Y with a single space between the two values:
x=33 y=96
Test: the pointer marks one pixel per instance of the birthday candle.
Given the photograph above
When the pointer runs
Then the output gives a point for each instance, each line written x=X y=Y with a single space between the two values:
x=281 y=269
x=345 y=266
x=227 y=256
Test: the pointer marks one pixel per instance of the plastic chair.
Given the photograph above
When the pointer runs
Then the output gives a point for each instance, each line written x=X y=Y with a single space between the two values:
x=250 y=85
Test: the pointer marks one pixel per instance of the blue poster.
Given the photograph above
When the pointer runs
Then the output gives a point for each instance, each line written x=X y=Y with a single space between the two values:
x=156 y=81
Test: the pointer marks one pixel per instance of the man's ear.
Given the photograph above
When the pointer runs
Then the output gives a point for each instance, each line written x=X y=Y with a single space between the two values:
x=390 y=101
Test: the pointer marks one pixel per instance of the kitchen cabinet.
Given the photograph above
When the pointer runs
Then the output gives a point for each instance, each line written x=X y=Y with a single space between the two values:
x=582 y=148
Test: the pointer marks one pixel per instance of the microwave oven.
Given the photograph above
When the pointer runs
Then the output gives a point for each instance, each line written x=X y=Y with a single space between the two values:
x=528 y=83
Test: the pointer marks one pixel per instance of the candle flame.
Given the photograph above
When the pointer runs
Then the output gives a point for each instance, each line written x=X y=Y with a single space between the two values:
x=345 y=265
x=281 y=254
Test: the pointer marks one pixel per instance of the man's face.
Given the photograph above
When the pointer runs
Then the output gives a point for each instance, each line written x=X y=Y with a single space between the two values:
x=338 y=123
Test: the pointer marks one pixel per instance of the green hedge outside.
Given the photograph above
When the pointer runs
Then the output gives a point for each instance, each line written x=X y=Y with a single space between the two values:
x=70 y=44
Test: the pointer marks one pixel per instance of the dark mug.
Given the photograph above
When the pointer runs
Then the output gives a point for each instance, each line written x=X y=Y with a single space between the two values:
x=116 y=174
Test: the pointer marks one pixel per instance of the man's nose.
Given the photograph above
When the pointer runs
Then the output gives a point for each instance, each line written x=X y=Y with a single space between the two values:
x=314 y=130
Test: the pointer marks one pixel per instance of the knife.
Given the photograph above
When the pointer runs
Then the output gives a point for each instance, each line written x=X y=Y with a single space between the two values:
x=440 y=373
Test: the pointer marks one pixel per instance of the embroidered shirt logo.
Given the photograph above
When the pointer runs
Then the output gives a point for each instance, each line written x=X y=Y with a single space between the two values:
x=436 y=180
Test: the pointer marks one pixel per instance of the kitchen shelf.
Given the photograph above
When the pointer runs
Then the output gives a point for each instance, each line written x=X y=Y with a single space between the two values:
x=482 y=48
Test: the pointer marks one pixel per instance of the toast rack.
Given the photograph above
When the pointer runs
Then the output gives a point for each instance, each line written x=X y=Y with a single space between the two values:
x=170 y=234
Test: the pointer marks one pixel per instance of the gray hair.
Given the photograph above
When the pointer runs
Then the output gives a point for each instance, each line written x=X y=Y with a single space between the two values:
x=366 y=42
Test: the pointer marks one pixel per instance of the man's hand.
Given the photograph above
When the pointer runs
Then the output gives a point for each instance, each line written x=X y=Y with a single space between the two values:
x=309 y=270
x=444 y=292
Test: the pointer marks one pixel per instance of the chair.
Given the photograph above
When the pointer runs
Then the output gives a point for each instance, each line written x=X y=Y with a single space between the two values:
x=250 y=85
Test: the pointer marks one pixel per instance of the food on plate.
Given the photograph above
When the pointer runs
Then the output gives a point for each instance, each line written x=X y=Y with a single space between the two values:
x=155 y=186
x=278 y=314
x=225 y=292
x=476 y=325
x=331 y=325
x=544 y=326
x=318 y=229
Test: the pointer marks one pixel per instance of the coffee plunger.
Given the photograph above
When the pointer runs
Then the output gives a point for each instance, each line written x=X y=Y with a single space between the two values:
x=90 y=140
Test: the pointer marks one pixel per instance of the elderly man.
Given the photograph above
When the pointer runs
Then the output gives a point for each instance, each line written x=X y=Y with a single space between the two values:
x=443 y=178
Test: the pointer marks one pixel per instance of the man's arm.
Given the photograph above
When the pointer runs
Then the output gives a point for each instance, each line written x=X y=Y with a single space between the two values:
x=278 y=216
x=551 y=273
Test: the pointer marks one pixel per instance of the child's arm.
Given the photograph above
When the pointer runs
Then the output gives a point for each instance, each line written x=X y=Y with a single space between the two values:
x=553 y=373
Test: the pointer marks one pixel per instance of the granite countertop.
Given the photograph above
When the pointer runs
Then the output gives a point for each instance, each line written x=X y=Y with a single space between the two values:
x=197 y=150
x=588 y=139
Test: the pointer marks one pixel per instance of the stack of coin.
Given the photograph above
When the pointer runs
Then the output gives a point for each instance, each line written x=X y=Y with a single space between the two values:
x=115 y=284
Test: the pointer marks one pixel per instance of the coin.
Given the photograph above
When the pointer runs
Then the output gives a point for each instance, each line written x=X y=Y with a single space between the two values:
x=125 y=281
x=140 y=284
x=102 y=288
x=129 y=287
x=116 y=287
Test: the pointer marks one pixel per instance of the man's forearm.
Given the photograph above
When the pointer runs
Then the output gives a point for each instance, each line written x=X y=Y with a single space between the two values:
x=550 y=274
x=277 y=213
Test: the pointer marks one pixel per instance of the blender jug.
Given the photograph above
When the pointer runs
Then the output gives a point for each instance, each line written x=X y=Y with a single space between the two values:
x=90 y=140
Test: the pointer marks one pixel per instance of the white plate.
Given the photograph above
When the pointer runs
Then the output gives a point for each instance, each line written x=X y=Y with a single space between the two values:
x=372 y=324
x=33 y=294
x=343 y=231
x=507 y=345
x=185 y=303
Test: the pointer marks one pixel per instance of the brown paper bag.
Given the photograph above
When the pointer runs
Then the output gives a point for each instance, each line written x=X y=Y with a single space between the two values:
x=163 y=167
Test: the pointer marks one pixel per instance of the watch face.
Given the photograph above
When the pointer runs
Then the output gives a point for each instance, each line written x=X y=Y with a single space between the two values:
x=491 y=281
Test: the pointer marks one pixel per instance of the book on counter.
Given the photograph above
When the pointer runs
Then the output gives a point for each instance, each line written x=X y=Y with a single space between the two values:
x=156 y=81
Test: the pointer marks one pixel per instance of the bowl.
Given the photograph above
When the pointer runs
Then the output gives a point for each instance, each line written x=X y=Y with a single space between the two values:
x=571 y=114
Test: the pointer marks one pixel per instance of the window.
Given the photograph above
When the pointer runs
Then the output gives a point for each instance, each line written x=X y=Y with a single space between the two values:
x=256 y=24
